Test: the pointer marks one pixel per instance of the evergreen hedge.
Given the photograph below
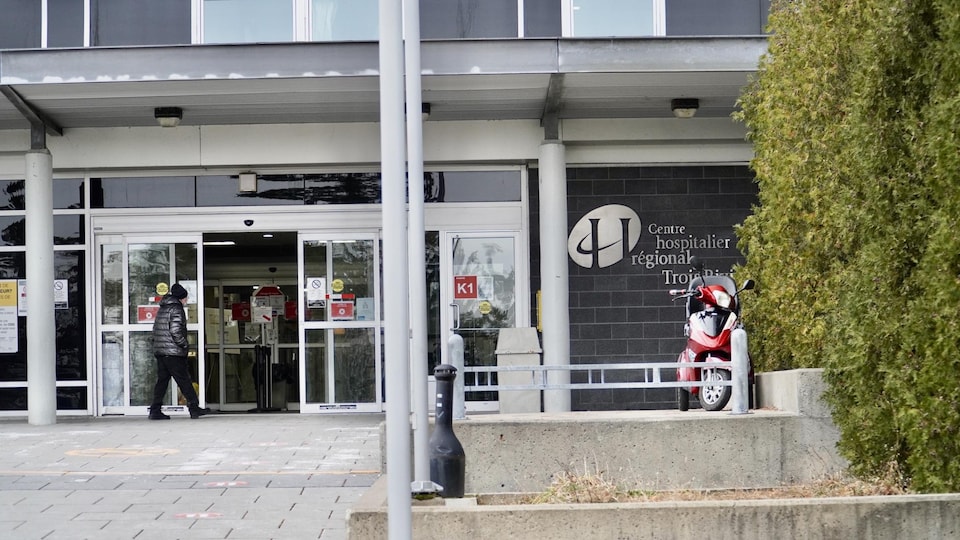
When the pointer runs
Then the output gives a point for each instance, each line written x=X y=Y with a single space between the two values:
x=855 y=245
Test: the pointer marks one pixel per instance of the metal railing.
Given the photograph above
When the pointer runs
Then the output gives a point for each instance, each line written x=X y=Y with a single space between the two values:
x=647 y=375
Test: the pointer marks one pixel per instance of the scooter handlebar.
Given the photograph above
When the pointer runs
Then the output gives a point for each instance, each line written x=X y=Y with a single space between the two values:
x=685 y=293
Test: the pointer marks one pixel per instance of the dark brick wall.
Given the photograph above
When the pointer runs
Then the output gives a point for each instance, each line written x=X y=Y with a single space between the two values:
x=622 y=313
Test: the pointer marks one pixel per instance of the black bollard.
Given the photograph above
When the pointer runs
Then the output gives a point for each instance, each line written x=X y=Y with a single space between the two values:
x=447 y=460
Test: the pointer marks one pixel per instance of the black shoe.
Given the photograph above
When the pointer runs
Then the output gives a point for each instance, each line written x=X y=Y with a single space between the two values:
x=197 y=412
x=157 y=414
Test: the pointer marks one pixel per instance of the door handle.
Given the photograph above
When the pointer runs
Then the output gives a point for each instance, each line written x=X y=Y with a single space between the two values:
x=456 y=315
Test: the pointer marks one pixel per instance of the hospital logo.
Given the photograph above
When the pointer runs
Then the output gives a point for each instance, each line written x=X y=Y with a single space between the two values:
x=604 y=236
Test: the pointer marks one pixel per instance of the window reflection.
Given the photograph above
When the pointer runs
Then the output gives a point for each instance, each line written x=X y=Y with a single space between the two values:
x=605 y=18
x=345 y=20
x=247 y=21
x=142 y=192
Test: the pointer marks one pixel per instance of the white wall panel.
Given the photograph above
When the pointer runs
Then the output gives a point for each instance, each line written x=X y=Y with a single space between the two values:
x=511 y=141
x=665 y=154
x=108 y=148
x=354 y=143
x=653 y=129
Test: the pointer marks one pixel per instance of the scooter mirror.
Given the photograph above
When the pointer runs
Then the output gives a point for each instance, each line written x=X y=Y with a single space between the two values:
x=748 y=285
x=696 y=263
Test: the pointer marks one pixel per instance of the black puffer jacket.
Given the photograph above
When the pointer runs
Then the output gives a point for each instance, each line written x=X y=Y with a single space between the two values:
x=170 y=328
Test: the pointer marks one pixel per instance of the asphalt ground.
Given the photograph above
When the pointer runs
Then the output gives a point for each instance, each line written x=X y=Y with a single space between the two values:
x=231 y=476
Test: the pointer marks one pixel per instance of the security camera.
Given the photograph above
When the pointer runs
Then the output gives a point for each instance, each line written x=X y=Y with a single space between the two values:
x=248 y=222
x=272 y=269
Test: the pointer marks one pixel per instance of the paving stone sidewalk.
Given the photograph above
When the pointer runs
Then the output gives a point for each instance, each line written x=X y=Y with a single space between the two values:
x=231 y=476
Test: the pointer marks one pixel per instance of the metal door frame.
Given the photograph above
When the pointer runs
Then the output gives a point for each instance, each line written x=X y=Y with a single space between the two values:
x=378 y=404
x=126 y=327
x=521 y=280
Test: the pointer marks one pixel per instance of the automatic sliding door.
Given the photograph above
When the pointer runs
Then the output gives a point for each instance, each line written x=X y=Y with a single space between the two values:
x=134 y=273
x=341 y=323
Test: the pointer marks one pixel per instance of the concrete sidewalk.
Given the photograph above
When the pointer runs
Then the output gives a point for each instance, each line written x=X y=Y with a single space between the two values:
x=249 y=476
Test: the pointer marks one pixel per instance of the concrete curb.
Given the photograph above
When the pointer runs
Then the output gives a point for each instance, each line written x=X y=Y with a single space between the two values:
x=874 y=518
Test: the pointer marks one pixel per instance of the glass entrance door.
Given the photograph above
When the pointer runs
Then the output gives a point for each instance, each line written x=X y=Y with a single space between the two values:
x=235 y=381
x=481 y=292
x=341 y=332
x=134 y=272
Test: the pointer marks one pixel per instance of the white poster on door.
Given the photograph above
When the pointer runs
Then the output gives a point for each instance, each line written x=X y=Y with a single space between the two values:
x=316 y=292
x=9 y=335
x=61 y=296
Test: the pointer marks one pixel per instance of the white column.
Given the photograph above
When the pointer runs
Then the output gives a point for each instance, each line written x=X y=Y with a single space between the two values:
x=41 y=330
x=554 y=276
x=395 y=281
x=416 y=248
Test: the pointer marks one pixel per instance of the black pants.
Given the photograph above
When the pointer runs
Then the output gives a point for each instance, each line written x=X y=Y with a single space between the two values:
x=176 y=367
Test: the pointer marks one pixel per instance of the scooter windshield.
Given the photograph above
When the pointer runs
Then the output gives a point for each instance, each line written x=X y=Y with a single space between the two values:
x=711 y=322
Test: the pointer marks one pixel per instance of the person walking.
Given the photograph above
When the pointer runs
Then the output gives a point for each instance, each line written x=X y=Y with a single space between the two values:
x=170 y=347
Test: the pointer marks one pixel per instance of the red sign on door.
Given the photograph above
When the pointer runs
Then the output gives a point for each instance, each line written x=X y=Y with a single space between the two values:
x=464 y=287
x=341 y=311
x=241 y=311
x=146 y=314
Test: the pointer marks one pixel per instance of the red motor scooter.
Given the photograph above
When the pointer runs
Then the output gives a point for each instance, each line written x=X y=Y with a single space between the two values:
x=713 y=310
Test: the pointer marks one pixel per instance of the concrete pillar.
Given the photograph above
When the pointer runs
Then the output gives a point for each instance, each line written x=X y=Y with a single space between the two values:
x=41 y=330
x=554 y=276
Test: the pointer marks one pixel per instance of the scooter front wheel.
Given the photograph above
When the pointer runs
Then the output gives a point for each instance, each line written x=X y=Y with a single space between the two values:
x=714 y=398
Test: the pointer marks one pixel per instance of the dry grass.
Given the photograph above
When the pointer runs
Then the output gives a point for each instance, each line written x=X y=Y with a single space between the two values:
x=570 y=487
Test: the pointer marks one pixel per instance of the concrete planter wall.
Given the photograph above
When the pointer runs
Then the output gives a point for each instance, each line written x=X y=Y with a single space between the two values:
x=790 y=439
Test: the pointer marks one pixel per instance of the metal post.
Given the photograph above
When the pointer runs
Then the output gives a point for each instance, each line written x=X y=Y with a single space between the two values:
x=447 y=458
x=418 y=286
x=455 y=348
x=396 y=285
x=740 y=361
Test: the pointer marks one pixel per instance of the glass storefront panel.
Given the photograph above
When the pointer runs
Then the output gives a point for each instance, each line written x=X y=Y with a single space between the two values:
x=139 y=22
x=142 y=192
x=13 y=230
x=111 y=369
x=315 y=365
x=354 y=371
x=22 y=31
x=247 y=21
x=111 y=284
x=68 y=229
x=71 y=316
x=64 y=23
x=13 y=399
x=605 y=18
x=345 y=20
x=143 y=369
x=67 y=193
x=484 y=280
x=457 y=19
x=12 y=195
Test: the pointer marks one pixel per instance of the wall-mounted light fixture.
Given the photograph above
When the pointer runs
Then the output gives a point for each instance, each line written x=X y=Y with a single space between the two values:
x=425 y=111
x=248 y=182
x=168 y=116
x=685 y=107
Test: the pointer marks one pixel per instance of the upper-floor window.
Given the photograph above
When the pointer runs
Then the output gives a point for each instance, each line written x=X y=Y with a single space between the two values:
x=608 y=18
x=93 y=23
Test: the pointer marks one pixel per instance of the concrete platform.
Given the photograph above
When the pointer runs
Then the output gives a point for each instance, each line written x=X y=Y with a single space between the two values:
x=867 y=518
x=791 y=439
